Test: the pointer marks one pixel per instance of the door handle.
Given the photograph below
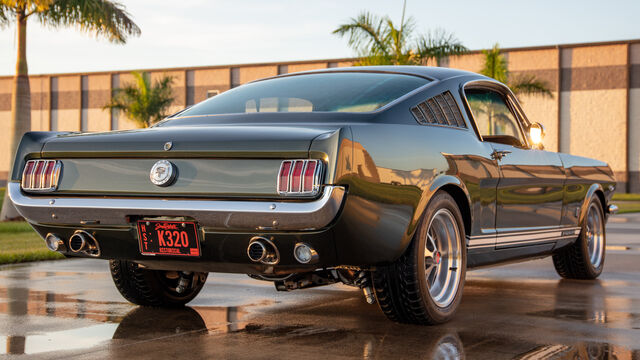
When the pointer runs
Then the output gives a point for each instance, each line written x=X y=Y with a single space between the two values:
x=499 y=154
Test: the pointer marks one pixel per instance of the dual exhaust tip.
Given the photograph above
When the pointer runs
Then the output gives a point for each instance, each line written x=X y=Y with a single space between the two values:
x=264 y=251
x=80 y=242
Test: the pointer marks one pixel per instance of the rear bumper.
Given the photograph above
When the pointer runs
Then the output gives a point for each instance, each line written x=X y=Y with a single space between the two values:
x=52 y=209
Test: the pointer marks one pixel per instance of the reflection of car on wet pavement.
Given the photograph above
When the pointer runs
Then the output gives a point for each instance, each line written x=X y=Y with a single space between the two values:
x=391 y=179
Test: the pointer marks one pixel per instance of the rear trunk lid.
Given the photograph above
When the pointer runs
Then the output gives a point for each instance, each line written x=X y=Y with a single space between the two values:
x=211 y=161
x=226 y=141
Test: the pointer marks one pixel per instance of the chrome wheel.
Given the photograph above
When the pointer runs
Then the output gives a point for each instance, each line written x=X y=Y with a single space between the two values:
x=595 y=235
x=443 y=258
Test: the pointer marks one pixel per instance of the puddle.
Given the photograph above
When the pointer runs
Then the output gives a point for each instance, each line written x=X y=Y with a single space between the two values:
x=37 y=322
x=619 y=319
x=27 y=302
x=74 y=339
x=294 y=331
x=588 y=351
x=597 y=317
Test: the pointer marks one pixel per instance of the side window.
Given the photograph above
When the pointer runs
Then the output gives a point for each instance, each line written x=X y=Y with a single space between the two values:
x=494 y=119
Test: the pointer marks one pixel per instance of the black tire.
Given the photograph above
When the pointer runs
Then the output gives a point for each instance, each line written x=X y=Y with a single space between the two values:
x=575 y=261
x=153 y=287
x=402 y=290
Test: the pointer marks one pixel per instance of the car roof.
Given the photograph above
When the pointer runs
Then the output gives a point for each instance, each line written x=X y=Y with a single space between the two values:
x=430 y=72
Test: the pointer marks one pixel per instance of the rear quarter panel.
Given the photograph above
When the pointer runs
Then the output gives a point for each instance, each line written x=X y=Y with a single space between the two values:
x=396 y=170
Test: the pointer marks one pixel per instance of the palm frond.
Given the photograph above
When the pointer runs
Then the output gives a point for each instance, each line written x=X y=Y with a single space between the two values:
x=366 y=32
x=373 y=59
x=529 y=85
x=495 y=65
x=102 y=17
x=398 y=37
x=143 y=101
x=6 y=15
x=438 y=45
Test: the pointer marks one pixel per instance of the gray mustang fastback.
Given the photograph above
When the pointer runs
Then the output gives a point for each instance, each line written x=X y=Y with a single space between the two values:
x=392 y=179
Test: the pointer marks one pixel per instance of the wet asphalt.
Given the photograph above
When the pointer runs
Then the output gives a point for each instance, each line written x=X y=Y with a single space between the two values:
x=70 y=310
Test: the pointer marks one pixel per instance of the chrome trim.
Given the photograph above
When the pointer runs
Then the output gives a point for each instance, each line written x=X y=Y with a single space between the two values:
x=54 y=242
x=90 y=245
x=527 y=236
x=317 y=176
x=314 y=254
x=169 y=179
x=39 y=188
x=270 y=256
x=214 y=214
x=613 y=209
x=263 y=254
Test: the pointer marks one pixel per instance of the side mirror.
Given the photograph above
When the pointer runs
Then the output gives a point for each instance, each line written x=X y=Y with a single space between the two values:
x=536 y=134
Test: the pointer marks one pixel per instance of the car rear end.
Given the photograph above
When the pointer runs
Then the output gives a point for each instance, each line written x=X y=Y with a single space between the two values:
x=248 y=199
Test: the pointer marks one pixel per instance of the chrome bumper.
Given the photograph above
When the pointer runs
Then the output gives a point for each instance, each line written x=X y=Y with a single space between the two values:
x=212 y=214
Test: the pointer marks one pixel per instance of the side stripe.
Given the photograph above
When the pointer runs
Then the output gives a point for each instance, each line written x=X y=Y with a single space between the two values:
x=525 y=237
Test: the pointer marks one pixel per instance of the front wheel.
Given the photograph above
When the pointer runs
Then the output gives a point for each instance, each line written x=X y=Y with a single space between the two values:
x=424 y=286
x=584 y=259
x=155 y=287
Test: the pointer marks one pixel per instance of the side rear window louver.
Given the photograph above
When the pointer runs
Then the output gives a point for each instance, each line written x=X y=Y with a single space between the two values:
x=439 y=110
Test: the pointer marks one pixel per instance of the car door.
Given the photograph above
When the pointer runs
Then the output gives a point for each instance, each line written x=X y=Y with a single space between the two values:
x=530 y=188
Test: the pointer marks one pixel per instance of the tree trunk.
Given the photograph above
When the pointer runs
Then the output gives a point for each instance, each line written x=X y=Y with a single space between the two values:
x=20 y=108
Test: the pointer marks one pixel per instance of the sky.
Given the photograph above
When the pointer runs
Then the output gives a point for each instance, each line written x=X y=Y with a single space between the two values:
x=220 y=32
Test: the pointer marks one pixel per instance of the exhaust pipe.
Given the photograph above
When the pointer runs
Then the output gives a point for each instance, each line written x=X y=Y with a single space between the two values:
x=263 y=250
x=54 y=242
x=83 y=242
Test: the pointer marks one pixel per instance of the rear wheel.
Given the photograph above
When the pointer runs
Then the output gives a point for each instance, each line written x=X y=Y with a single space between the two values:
x=584 y=259
x=424 y=286
x=155 y=287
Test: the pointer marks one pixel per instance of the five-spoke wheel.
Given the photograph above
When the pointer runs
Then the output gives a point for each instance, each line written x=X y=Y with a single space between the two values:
x=443 y=257
x=424 y=286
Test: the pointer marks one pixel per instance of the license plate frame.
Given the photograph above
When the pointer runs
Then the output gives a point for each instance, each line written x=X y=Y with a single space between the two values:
x=167 y=238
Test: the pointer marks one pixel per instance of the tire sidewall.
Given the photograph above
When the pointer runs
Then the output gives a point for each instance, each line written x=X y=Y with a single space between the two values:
x=440 y=200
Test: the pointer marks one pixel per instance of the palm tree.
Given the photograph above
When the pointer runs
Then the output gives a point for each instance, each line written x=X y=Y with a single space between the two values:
x=143 y=102
x=437 y=45
x=496 y=67
x=100 y=17
x=378 y=41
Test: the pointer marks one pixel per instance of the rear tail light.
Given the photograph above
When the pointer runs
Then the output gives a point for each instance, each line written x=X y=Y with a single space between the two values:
x=299 y=177
x=41 y=175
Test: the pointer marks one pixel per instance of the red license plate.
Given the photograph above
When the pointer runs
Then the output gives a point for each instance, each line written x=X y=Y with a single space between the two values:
x=168 y=238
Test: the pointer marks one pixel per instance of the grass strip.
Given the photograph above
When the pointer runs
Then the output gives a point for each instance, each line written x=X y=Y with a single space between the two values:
x=19 y=243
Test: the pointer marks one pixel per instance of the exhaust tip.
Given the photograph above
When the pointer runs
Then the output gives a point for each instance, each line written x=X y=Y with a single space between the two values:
x=77 y=242
x=83 y=242
x=256 y=251
x=54 y=242
x=305 y=254
x=263 y=250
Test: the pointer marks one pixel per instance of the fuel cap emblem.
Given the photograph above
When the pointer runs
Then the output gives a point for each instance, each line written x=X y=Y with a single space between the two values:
x=163 y=173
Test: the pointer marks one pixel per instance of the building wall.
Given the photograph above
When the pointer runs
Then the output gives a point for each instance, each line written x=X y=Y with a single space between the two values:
x=594 y=111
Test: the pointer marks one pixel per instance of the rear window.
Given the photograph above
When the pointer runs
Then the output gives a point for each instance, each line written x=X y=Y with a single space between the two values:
x=332 y=92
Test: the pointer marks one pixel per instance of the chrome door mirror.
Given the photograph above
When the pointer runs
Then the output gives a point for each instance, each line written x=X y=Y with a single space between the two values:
x=536 y=134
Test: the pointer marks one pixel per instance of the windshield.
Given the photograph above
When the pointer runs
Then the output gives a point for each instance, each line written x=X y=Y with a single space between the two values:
x=333 y=92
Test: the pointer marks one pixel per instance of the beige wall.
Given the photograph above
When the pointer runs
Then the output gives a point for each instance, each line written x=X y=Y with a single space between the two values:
x=596 y=93
x=99 y=93
x=250 y=73
x=6 y=86
x=594 y=105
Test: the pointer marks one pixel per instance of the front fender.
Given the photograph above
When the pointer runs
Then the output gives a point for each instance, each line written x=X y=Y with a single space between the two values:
x=587 y=200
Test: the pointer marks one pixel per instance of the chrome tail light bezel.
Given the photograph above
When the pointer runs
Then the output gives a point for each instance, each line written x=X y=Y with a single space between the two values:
x=317 y=178
x=37 y=182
